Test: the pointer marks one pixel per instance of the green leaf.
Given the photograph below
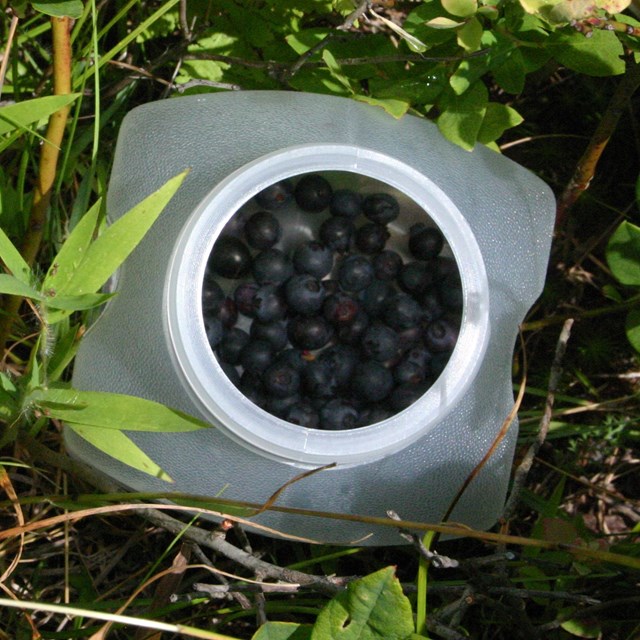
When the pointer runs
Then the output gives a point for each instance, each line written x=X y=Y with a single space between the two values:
x=336 y=70
x=582 y=627
x=113 y=411
x=72 y=252
x=119 y=446
x=462 y=116
x=598 y=55
x=283 y=631
x=498 y=118
x=511 y=74
x=78 y=303
x=13 y=260
x=632 y=329
x=372 y=607
x=22 y=114
x=470 y=35
x=444 y=23
x=396 y=108
x=623 y=254
x=60 y=8
x=14 y=287
x=413 y=43
x=460 y=8
x=112 y=247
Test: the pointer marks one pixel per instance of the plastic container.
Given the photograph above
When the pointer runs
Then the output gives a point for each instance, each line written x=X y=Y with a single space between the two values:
x=150 y=341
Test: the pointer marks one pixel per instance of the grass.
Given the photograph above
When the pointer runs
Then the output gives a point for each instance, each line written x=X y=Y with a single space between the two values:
x=152 y=575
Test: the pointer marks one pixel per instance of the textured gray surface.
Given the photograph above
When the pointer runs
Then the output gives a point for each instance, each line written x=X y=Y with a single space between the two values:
x=509 y=210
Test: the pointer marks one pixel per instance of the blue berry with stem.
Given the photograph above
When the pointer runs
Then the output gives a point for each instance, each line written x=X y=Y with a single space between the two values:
x=275 y=196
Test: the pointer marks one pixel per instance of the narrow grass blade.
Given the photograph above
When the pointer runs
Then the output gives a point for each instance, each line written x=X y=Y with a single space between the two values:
x=12 y=259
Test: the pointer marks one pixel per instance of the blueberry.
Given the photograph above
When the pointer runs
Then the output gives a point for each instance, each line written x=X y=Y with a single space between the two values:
x=371 y=237
x=372 y=381
x=450 y=288
x=256 y=356
x=243 y=296
x=380 y=342
x=275 y=196
x=425 y=242
x=441 y=335
x=309 y=332
x=280 y=406
x=252 y=387
x=262 y=230
x=445 y=266
x=373 y=415
x=346 y=202
x=281 y=380
x=274 y=333
x=313 y=193
x=230 y=258
x=231 y=345
x=408 y=370
x=432 y=308
x=404 y=395
x=272 y=266
x=314 y=258
x=355 y=273
x=230 y=371
x=212 y=296
x=402 y=312
x=387 y=265
x=375 y=297
x=304 y=294
x=342 y=360
x=352 y=333
x=302 y=414
x=410 y=337
x=336 y=233
x=421 y=356
x=228 y=314
x=415 y=277
x=381 y=208
x=268 y=304
x=319 y=379
x=337 y=415
x=340 y=308
x=293 y=357
x=213 y=328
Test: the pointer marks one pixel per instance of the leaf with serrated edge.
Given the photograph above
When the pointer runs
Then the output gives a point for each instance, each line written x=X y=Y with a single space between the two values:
x=113 y=411
x=119 y=446
x=118 y=240
x=72 y=252
x=373 y=607
x=623 y=254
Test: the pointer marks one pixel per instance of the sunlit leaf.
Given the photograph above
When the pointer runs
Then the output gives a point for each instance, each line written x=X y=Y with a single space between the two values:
x=119 y=446
x=112 y=247
x=582 y=627
x=14 y=287
x=470 y=35
x=336 y=70
x=78 y=303
x=113 y=411
x=283 y=631
x=497 y=119
x=460 y=8
x=60 y=8
x=444 y=23
x=396 y=108
x=21 y=114
x=371 y=607
x=412 y=42
x=598 y=55
x=463 y=115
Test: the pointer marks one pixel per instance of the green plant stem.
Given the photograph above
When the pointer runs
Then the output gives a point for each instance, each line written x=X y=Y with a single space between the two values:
x=61 y=40
x=586 y=167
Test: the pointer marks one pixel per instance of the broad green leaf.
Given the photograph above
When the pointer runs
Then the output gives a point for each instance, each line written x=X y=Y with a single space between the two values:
x=372 y=607
x=462 y=116
x=632 y=329
x=72 y=252
x=511 y=74
x=283 y=631
x=112 y=247
x=13 y=260
x=623 y=254
x=60 y=8
x=14 y=287
x=598 y=55
x=460 y=8
x=581 y=627
x=119 y=446
x=113 y=411
x=412 y=42
x=497 y=119
x=336 y=70
x=470 y=35
x=22 y=114
x=302 y=41
x=396 y=108
x=444 y=23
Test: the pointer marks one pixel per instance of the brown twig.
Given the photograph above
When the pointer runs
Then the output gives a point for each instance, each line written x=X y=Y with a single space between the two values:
x=586 y=167
x=61 y=38
x=524 y=467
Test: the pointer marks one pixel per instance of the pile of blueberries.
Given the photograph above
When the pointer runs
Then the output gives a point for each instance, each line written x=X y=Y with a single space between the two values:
x=339 y=332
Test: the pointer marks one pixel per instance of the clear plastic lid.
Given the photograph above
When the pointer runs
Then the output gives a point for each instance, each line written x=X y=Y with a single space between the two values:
x=225 y=406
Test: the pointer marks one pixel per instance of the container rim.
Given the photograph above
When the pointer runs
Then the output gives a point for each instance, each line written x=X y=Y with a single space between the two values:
x=221 y=403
